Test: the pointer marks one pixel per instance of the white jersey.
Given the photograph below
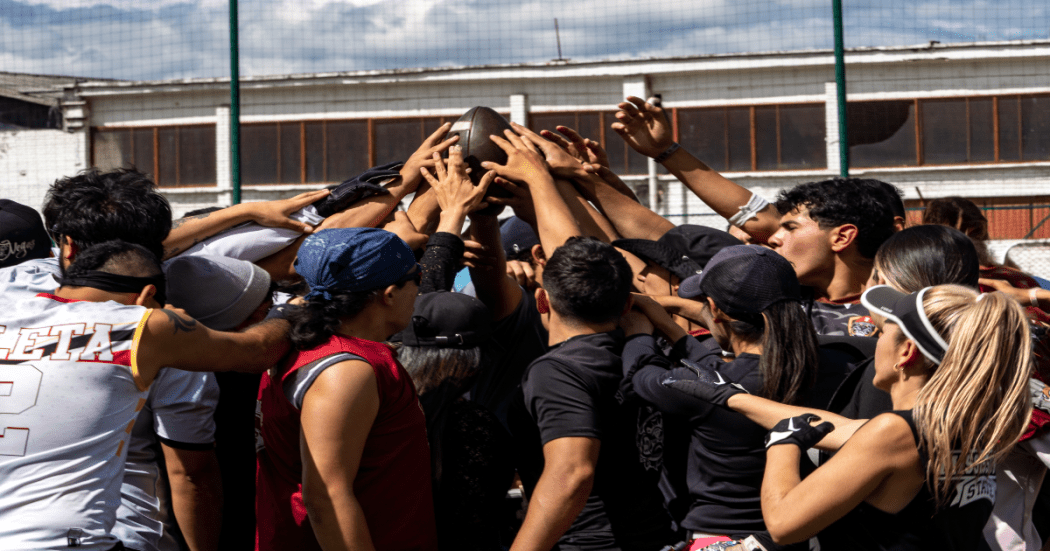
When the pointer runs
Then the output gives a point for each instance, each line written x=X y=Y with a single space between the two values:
x=68 y=401
x=26 y=280
x=180 y=411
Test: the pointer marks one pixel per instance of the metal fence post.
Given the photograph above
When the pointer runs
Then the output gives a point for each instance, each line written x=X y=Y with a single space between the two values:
x=840 y=84
x=235 y=107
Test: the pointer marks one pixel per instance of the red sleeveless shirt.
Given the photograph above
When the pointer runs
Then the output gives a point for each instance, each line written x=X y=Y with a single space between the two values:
x=393 y=480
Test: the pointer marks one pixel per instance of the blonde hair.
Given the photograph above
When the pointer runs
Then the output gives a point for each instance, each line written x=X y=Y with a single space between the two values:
x=975 y=402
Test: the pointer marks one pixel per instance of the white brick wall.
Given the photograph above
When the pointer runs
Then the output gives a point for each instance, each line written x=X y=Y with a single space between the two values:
x=31 y=160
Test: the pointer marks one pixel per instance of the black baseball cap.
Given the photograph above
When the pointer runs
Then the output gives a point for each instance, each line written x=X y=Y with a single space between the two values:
x=683 y=250
x=22 y=234
x=907 y=312
x=447 y=320
x=744 y=280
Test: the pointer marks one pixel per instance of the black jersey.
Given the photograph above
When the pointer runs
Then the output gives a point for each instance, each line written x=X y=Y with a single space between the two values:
x=921 y=526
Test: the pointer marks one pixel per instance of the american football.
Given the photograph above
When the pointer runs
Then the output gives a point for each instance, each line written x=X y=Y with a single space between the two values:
x=474 y=129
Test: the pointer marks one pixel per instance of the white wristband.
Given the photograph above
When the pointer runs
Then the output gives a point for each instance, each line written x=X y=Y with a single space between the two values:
x=754 y=205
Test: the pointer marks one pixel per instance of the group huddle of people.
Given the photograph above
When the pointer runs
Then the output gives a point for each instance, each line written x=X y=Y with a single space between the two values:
x=816 y=375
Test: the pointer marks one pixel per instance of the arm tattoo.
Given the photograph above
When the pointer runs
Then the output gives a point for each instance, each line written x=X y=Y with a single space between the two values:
x=181 y=221
x=180 y=323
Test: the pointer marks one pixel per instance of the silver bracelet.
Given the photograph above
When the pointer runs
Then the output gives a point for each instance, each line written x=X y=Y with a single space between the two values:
x=667 y=153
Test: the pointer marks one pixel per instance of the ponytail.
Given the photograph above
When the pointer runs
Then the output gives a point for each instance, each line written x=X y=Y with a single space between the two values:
x=974 y=406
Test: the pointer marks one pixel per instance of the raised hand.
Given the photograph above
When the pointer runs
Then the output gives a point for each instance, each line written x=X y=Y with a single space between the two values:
x=424 y=156
x=799 y=431
x=524 y=162
x=709 y=386
x=520 y=200
x=452 y=187
x=643 y=126
x=584 y=149
x=274 y=214
x=561 y=160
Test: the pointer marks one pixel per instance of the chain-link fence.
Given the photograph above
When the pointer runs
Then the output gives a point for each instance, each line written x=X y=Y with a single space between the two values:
x=944 y=97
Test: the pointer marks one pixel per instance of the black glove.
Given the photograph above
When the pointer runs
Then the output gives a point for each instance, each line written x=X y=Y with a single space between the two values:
x=709 y=385
x=798 y=431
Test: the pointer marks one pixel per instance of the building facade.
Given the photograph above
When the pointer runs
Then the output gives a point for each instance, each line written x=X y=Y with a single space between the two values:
x=937 y=120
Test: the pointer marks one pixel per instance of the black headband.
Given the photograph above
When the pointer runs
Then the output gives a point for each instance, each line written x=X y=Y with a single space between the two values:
x=116 y=283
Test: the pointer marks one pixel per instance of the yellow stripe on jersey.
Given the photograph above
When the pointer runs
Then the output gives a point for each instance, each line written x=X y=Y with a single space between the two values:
x=135 y=352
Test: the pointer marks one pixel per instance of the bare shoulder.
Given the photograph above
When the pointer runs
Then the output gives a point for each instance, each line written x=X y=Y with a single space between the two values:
x=344 y=380
x=889 y=435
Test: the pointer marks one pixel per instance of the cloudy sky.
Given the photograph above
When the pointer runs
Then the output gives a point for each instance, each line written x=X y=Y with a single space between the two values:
x=163 y=39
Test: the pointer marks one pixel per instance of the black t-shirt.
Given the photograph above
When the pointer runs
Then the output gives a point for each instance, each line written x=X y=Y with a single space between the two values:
x=920 y=526
x=516 y=341
x=574 y=391
x=727 y=456
x=844 y=317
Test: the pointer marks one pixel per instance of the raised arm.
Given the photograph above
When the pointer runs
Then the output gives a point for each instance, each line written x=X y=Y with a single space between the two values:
x=492 y=285
x=628 y=218
x=372 y=211
x=554 y=221
x=187 y=232
x=646 y=129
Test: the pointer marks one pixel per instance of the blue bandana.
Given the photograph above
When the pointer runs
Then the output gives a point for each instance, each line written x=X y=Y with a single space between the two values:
x=352 y=260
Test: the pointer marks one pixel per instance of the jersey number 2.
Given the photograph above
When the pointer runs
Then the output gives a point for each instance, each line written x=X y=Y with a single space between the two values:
x=19 y=387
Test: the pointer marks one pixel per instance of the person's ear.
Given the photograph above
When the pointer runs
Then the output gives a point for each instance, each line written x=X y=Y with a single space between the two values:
x=388 y=295
x=145 y=297
x=842 y=237
x=71 y=249
x=909 y=355
x=542 y=305
x=717 y=315
x=538 y=255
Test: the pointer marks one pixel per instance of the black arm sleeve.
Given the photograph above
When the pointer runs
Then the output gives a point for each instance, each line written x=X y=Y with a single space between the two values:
x=645 y=366
x=439 y=262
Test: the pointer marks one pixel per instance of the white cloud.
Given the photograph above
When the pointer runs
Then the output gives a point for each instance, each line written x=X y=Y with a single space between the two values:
x=151 y=39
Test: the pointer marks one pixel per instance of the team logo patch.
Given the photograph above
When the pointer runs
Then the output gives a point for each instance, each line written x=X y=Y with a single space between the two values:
x=862 y=326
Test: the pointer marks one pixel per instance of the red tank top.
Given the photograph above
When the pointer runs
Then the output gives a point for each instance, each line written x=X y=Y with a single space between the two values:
x=393 y=480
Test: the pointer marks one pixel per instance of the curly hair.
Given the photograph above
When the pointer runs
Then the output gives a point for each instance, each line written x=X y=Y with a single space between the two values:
x=863 y=203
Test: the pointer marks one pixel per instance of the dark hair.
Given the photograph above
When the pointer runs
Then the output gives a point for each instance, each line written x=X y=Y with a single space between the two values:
x=893 y=197
x=95 y=206
x=319 y=319
x=928 y=255
x=115 y=257
x=965 y=216
x=860 y=202
x=587 y=280
x=790 y=354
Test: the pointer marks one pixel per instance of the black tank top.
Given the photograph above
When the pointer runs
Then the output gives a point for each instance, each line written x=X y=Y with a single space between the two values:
x=920 y=526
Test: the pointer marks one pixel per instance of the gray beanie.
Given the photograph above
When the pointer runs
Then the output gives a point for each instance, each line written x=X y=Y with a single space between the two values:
x=219 y=292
